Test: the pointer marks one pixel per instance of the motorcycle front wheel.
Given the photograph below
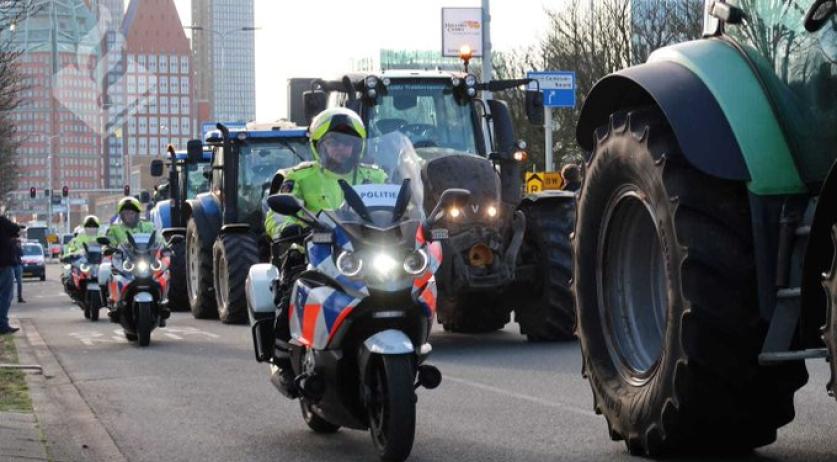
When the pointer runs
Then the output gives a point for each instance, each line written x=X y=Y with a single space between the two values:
x=392 y=406
x=145 y=322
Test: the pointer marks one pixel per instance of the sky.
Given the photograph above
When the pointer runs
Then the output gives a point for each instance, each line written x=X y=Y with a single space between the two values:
x=314 y=38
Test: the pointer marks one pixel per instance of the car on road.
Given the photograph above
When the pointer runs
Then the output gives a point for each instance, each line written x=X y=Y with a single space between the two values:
x=33 y=260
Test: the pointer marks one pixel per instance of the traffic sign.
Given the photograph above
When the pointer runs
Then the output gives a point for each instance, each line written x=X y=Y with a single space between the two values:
x=558 y=87
x=543 y=181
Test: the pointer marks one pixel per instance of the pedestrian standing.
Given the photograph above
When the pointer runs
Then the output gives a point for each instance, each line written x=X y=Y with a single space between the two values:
x=8 y=235
x=19 y=270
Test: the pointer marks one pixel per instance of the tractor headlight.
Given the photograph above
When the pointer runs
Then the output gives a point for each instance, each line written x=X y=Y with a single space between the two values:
x=383 y=264
x=470 y=80
x=416 y=262
x=454 y=212
x=128 y=265
x=455 y=81
x=371 y=81
x=349 y=264
x=491 y=211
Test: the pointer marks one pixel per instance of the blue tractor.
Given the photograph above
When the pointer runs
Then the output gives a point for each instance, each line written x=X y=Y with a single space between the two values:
x=188 y=177
x=225 y=226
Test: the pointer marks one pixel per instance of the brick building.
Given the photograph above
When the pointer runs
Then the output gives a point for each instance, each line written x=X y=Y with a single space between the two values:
x=158 y=87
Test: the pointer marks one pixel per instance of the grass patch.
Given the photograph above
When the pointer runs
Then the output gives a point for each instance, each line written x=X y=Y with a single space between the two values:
x=14 y=395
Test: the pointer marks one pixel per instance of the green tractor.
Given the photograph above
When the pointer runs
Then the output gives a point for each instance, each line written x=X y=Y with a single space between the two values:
x=704 y=267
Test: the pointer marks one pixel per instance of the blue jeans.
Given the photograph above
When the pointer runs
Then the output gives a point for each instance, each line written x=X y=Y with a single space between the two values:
x=6 y=293
x=19 y=279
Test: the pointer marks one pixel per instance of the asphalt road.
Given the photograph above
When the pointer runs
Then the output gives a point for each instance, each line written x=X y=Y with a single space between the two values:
x=197 y=394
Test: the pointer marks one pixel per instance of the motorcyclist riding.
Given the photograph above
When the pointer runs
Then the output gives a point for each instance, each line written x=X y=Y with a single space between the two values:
x=90 y=227
x=337 y=138
x=129 y=209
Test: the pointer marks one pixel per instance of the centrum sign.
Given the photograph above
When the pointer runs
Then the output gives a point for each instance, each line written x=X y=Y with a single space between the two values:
x=461 y=26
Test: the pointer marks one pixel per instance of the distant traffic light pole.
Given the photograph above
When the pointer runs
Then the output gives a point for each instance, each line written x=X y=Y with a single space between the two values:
x=49 y=173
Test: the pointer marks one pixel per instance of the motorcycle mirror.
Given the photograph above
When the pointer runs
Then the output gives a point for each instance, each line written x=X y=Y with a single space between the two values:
x=102 y=240
x=354 y=201
x=284 y=204
x=276 y=182
x=451 y=196
x=108 y=252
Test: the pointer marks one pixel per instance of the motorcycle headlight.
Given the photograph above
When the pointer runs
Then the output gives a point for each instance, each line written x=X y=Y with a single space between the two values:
x=416 y=262
x=384 y=264
x=157 y=265
x=349 y=264
x=84 y=267
x=142 y=267
x=128 y=265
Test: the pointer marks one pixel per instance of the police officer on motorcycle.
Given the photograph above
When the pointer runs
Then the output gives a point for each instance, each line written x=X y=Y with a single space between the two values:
x=337 y=138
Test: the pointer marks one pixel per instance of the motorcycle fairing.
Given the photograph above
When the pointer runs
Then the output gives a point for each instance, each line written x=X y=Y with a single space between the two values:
x=317 y=312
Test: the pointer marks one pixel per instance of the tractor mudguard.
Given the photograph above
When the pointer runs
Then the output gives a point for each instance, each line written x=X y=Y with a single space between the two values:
x=161 y=214
x=549 y=195
x=206 y=213
x=716 y=106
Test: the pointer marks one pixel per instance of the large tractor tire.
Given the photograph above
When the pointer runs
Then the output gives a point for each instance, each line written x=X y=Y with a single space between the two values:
x=232 y=257
x=668 y=317
x=199 y=274
x=178 y=292
x=547 y=311
x=472 y=313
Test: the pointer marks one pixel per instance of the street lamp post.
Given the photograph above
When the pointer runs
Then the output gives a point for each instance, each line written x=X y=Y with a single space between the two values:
x=49 y=172
x=223 y=36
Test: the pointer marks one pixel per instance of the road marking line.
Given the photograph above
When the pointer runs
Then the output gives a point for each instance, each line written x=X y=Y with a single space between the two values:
x=531 y=399
x=173 y=336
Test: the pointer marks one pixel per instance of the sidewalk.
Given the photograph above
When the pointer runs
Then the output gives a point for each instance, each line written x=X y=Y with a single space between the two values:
x=62 y=427
x=21 y=438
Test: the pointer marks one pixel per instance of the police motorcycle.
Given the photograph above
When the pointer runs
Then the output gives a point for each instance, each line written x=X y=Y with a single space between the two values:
x=82 y=282
x=138 y=285
x=361 y=299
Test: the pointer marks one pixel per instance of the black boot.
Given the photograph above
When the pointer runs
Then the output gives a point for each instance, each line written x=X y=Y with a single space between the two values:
x=283 y=377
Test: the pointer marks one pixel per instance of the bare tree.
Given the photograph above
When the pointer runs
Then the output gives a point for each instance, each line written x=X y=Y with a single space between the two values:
x=12 y=87
x=594 y=39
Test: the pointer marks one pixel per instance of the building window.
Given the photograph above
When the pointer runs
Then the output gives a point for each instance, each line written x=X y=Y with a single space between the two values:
x=184 y=86
x=152 y=64
x=153 y=126
x=164 y=63
x=173 y=64
x=184 y=65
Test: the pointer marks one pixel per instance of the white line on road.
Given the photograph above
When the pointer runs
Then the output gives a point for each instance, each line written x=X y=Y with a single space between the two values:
x=531 y=399
x=173 y=336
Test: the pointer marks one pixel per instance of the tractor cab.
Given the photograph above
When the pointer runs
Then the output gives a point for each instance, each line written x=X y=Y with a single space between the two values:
x=243 y=164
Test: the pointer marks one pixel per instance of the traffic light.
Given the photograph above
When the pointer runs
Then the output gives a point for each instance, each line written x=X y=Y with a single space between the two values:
x=32 y=192
x=65 y=191
x=127 y=190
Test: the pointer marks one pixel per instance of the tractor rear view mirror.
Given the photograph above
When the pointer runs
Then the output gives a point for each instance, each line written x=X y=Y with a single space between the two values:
x=156 y=167
x=194 y=151
x=314 y=103
x=534 y=107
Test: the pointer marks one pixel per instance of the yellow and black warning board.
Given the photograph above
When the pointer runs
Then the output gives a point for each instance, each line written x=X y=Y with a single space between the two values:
x=543 y=181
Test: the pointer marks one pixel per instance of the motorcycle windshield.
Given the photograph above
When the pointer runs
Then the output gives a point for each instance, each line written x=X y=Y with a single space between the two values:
x=400 y=198
x=93 y=254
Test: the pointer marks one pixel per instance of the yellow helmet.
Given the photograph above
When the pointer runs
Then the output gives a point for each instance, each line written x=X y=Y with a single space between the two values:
x=344 y=127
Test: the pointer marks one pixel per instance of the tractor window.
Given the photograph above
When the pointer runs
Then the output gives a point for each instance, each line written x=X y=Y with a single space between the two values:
x=258 y=161
x=197 y=182
x=436 y=122
x=799 y=69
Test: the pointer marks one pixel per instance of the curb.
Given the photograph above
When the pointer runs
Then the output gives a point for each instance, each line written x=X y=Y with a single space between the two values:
x=71 y=428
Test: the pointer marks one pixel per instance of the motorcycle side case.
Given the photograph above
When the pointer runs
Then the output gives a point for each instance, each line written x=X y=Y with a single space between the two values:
x=258 y=289
x=104 y=273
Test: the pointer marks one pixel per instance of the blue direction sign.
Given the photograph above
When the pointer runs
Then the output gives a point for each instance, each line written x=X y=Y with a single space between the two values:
x=558 y=87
